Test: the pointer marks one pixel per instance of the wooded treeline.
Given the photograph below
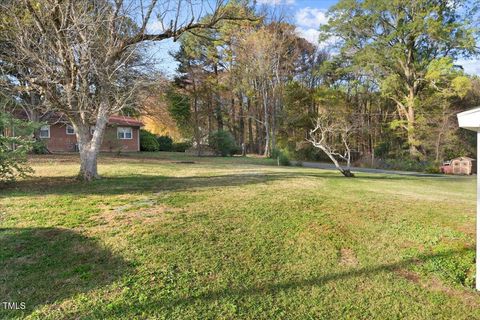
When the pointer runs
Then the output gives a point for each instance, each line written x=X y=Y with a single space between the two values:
x=386 y=71
x=381 y=83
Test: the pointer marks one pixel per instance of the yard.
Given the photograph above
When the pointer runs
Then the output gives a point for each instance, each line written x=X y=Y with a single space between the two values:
x=161 y=237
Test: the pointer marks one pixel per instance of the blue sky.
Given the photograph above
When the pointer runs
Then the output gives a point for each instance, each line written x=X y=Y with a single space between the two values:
x=307 y=15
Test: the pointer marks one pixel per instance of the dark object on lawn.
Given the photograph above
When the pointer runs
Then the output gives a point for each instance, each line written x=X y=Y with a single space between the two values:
x=459 y=166
x=184 y=162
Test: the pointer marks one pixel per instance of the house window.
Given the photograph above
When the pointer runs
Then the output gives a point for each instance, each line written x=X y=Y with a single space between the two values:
x=45 y=132
x=124 y=133
x=70 y=129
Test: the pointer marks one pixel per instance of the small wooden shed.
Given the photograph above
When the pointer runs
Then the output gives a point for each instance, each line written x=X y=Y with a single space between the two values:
x=463 y=165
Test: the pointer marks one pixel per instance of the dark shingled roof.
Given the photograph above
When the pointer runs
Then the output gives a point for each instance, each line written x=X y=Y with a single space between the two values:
x=57 y=117
x=125 y=121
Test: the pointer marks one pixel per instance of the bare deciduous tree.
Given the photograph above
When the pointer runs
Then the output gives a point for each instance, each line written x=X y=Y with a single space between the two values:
x=82 y=55
x=333 y=138
x=265 y=59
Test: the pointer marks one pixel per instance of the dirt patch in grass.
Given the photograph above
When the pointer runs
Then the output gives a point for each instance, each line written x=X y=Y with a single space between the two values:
x=136 y=212
x=469 y=297
x=311 y=234
x=348 y=257
x=467 y=228
x=435 y=284
x=409 y=275
x=320 y=229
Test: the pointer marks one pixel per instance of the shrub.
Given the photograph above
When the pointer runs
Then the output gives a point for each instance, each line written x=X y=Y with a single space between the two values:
x=433 y=168
x=13 y=161
x=223 y=143
x=275 y=153
x=148 y=141
x=39 y=147
x=181 y=146
x=165 y=143
x=382 y=150
x=281 y=156
x=283 y=159
x=305 y=151
x=408 y=165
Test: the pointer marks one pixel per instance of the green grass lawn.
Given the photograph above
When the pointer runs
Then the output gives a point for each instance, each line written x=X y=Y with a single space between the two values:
x=161 y=238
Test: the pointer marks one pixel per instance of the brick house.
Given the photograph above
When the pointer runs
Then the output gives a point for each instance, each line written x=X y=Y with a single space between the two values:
x=121 y=134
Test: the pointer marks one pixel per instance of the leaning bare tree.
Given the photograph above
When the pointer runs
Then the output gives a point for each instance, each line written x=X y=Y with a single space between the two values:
x=333 y=138
x=81 y=53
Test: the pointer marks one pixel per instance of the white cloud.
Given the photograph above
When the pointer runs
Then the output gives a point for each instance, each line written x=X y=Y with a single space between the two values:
x=155 y=26
x=310 y=17
x=470 y=66
x=276 y=2
x=311 y=35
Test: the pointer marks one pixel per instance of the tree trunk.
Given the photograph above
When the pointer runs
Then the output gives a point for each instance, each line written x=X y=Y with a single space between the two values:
x=345 y=171
x=410 y=100
x=266 y=120
x=259 y=136
x=88 y=165
x=251 y=144
x=251 y=147
x=411 y=133
x=266 y=151
x=196 y=131
x=219 y=116
x=218 y=102
x=89 y=145
x=407 y=112
x=440 y=136
x=233 y=128
x=274 y=126
x=241 y=124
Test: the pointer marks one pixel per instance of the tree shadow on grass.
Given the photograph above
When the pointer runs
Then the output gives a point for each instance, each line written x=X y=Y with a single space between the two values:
x=44 y=265
x=261 y=290
x=148 y=183
x=320 y=281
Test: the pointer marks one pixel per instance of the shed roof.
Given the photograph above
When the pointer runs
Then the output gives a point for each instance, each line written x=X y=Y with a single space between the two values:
x=464 y=158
